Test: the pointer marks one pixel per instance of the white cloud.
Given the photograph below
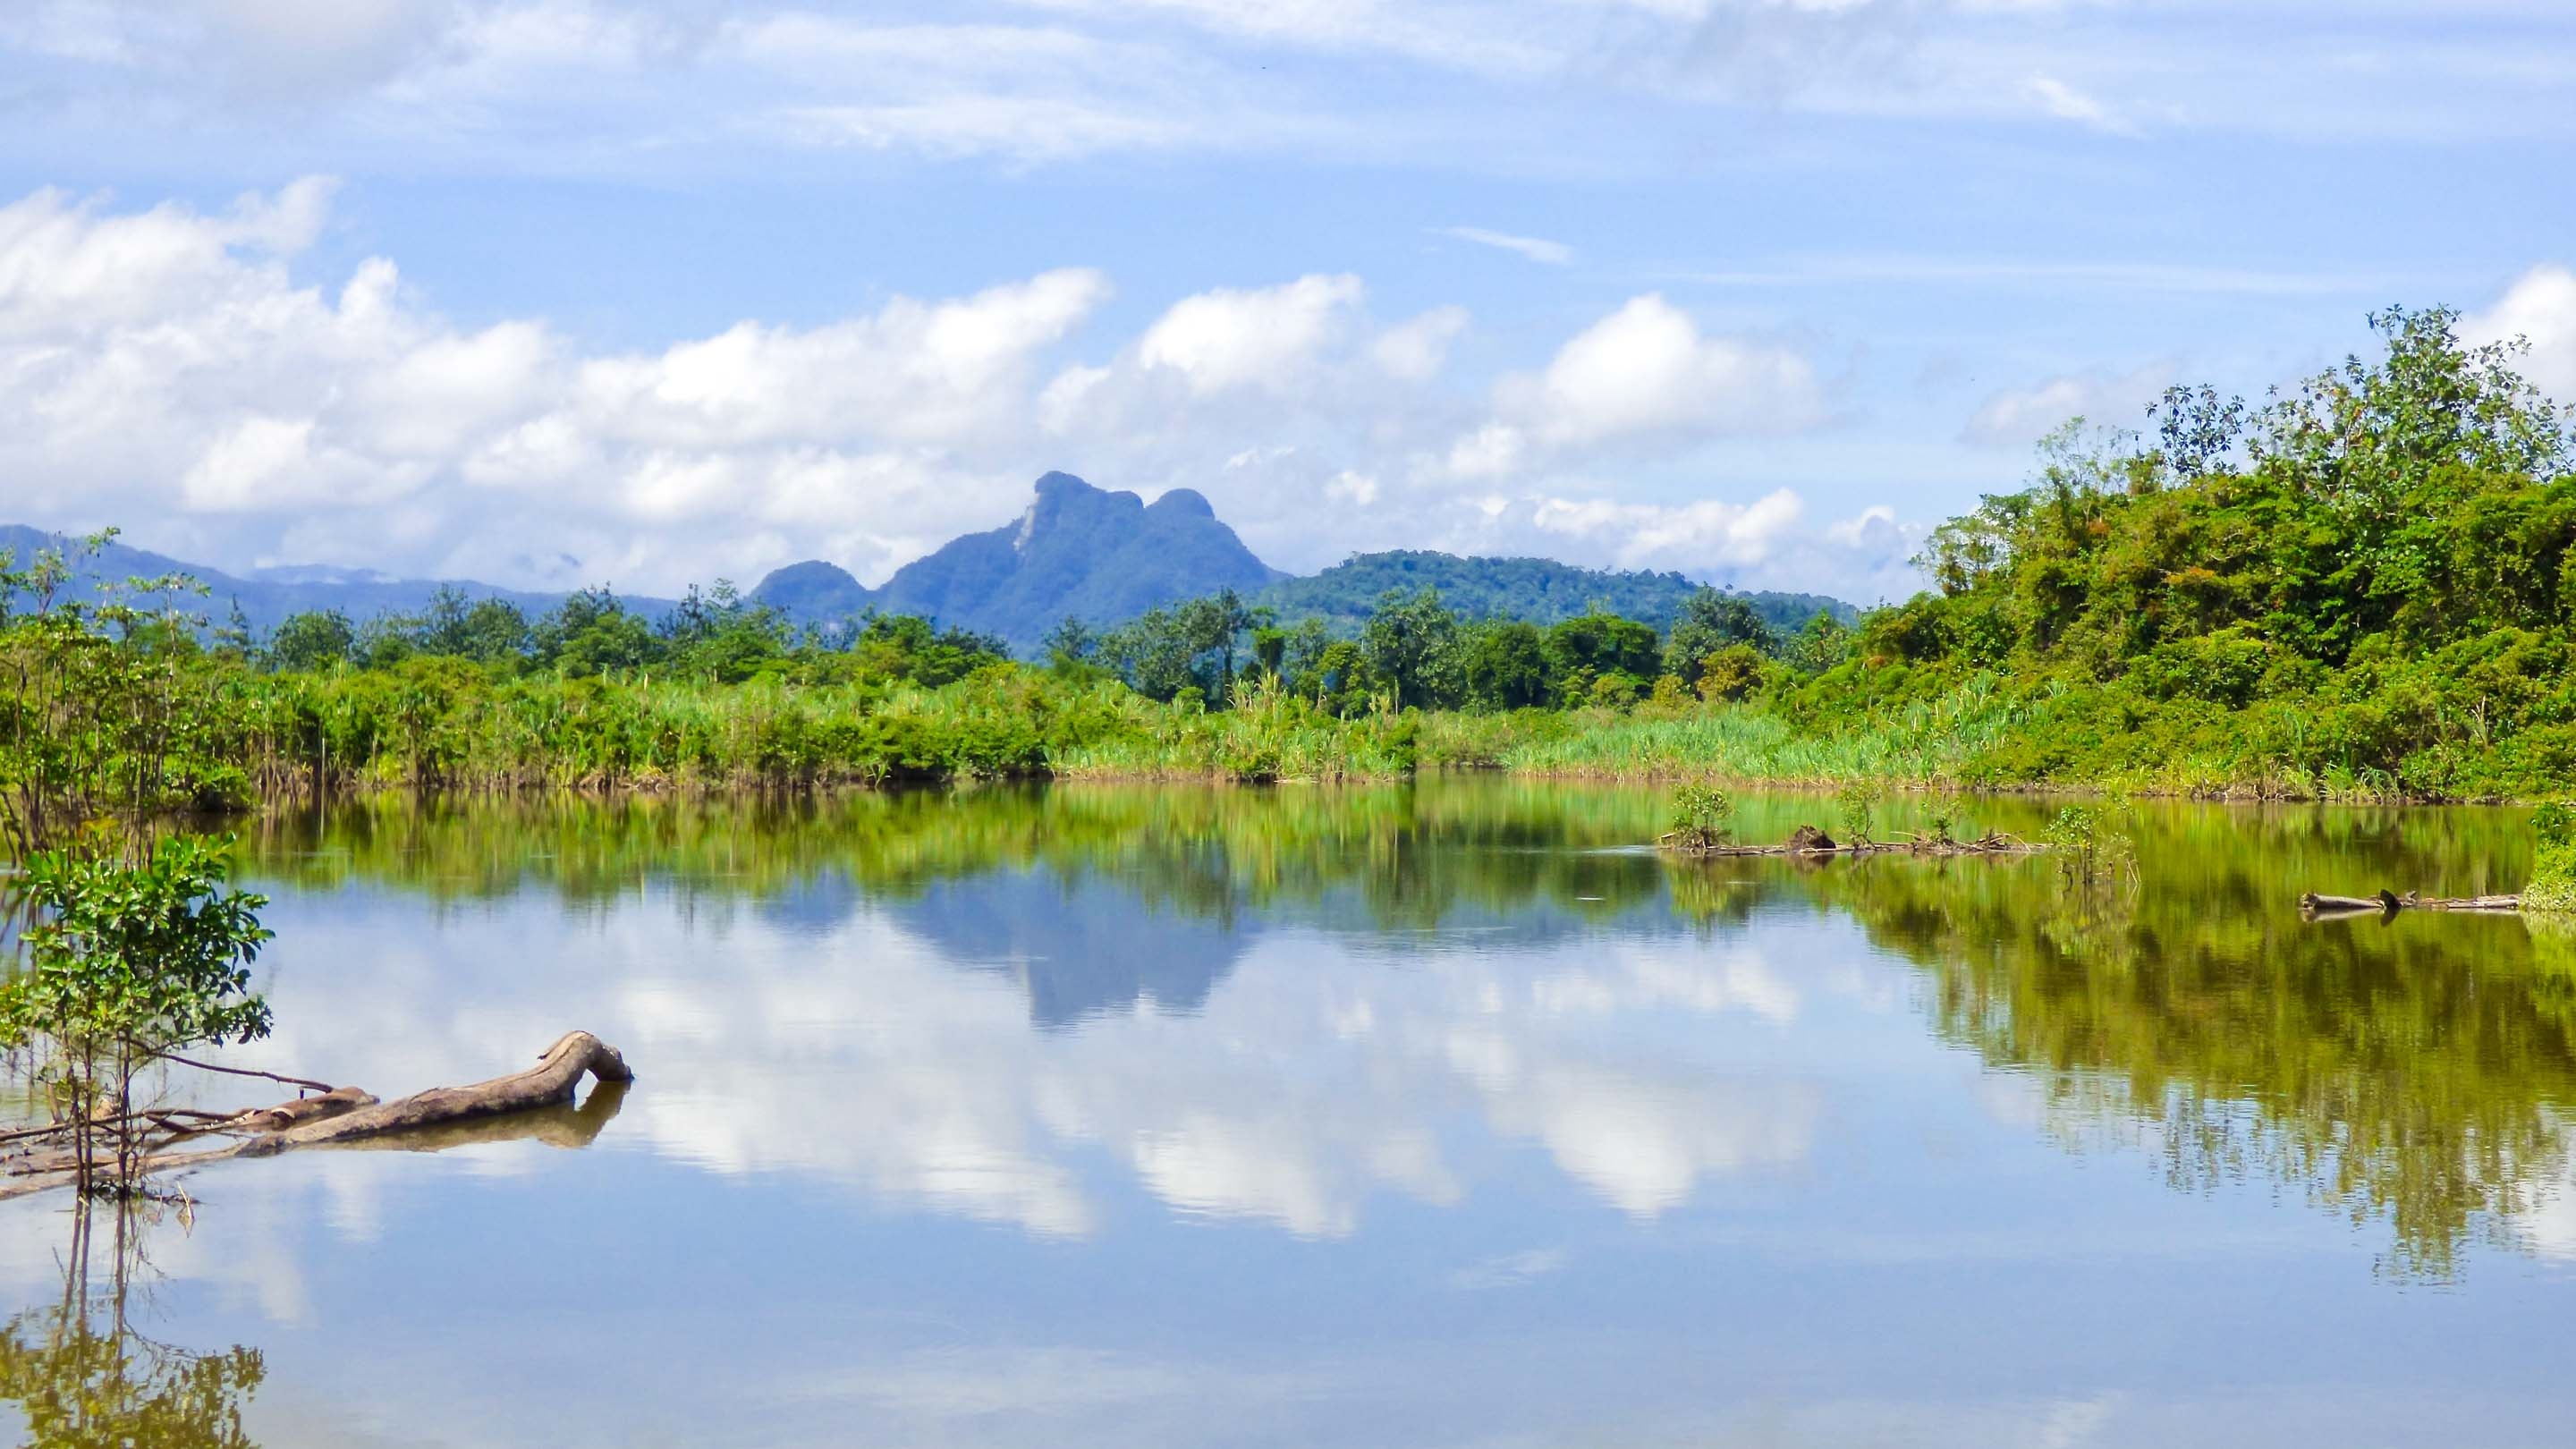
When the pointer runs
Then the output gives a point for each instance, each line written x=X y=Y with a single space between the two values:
x=2065 y=102
x=1358 y=490
x=2018 y=417
x=1415 y=351
x=630 y=87
x=2540 y=307
x=1693 y=536
x=1537 y=249
x=1645 y=371
x=234 y=413
x=1264 y=338
x=163 y=368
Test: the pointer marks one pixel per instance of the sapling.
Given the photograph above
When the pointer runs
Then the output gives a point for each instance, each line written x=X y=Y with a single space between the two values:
x=127 y=963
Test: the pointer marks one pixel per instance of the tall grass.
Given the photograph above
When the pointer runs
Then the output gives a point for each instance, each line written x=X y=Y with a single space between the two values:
x=239 y=736
x=1927 y=742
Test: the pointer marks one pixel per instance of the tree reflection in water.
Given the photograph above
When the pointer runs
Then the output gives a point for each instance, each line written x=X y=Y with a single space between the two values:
x=80 y=1374
x=2419 y=1072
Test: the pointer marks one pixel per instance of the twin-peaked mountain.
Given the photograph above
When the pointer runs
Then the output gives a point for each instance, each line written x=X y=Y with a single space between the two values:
x=1078 y=552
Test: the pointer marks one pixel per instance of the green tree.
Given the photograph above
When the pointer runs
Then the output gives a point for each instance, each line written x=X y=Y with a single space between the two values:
x=1506 y=665
x=1708 y=621
x=1410 y=642
x=592 y=632
x=1588 y=648
x=313 y=640
x=125 y=965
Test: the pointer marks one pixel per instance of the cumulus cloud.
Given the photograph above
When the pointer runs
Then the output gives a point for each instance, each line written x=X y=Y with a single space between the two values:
x=1415 y=351
x=1644 y=373
x=168 y=369
x=1227 y=339
x=1691 y=535
x=2540 y=308
x=165 y=363
x=1647 y=368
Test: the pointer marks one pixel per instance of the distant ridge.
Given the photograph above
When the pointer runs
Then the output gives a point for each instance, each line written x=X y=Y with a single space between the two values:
x=1076 y=552
x=269 y=595
x=1540 y=590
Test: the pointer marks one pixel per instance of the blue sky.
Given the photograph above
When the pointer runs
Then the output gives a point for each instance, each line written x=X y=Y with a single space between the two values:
x=549 y=292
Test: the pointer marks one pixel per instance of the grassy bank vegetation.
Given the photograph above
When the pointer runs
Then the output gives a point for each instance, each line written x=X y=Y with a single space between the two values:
x=2360 y=589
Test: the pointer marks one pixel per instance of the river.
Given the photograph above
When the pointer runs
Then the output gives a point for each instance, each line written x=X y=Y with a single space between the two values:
x=1435 y=1115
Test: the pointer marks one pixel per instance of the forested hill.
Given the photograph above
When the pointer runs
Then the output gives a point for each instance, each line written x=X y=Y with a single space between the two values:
x=1540 y=590
x=268 y=596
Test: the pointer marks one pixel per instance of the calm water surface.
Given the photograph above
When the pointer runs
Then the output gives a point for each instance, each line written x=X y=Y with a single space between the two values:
x=1428 y=1116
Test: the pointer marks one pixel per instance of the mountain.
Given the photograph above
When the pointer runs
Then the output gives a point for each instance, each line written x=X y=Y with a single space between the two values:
x=268 y=595
x=814 y=592
x=1078 y=552
x=1540 y=590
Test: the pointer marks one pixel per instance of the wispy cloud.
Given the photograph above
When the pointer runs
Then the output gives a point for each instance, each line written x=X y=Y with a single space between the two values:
x=2092 y=276
x=1537 y=249
x=2067 y=103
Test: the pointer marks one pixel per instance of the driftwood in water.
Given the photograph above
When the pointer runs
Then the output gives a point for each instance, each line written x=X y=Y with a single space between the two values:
x=1808 y=841
x=2389 y=903
x=552 y=1080
x=540 y=1098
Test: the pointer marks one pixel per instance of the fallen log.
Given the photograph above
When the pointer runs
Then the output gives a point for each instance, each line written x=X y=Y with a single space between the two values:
x=439 y=1117
x=558 y=1071
x=563 y=1124
x=2389 y=903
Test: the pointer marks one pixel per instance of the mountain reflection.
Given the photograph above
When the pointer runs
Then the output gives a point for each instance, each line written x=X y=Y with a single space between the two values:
x=1272 y=1005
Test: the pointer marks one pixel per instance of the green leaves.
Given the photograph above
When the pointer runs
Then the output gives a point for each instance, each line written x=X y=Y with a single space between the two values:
x=1703 y=816
x=137 y=961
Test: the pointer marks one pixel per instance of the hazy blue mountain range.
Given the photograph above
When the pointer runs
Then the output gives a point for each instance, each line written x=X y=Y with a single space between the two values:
x=1079 y=551
x=268 y=595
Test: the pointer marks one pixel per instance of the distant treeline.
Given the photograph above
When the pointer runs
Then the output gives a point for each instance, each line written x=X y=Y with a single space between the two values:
x=1410 y=649
x=1542 y=591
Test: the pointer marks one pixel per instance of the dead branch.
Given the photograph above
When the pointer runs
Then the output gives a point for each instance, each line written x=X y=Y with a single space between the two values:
x=249 y=1072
